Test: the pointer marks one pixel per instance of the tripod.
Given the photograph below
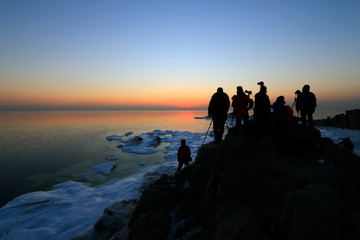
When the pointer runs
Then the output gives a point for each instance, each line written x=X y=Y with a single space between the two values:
x=207 y=132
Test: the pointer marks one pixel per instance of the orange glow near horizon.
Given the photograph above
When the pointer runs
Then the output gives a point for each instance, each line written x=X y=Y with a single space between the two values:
x=196 y=96
x=152 y=99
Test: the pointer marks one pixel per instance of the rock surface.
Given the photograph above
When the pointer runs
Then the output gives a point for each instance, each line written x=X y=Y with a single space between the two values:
x=255 y=186
x=351 y=119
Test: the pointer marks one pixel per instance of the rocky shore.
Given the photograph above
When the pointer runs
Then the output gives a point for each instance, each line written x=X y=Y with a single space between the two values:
x=287 y=183
x=351 y=120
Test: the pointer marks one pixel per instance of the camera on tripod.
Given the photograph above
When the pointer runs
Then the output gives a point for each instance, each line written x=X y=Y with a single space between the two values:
x=248 y=92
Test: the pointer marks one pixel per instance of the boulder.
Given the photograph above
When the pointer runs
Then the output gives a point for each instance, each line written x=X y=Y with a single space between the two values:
x=114 y=219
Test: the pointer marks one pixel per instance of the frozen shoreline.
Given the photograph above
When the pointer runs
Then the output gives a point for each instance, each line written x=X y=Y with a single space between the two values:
x=72 y=208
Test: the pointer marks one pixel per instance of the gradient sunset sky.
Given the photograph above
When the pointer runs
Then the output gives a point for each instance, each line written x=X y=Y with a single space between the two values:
x=175 y=53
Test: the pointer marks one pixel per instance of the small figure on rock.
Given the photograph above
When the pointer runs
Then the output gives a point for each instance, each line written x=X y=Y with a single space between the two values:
x=218 y=108
x=184 y=155
x=306 y=104
x=347 y=144
x=241 y=104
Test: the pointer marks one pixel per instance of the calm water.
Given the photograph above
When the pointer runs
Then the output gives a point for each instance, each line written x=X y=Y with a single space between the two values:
x=40 y=149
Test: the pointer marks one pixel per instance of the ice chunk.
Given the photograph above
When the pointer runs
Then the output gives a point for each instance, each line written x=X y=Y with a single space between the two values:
x=111 y=158
x=104 y=168
x=139 y=144
x=128 y=133
x=205 y=117
x=113 y=137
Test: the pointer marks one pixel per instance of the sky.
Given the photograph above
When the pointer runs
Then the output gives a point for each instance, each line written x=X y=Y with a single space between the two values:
x=175 y=53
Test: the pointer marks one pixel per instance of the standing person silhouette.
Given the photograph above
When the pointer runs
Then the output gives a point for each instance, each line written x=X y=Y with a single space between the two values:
x=262 y=108
x=241 y=104
x=218 y=108
x=184 y=155
x=306 y=104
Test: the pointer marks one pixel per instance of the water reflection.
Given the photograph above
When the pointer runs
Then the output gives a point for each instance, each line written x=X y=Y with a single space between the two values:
x=40 y=149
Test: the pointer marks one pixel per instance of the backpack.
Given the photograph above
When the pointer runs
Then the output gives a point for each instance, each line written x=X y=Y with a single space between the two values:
x=289 y=112
x=184 y=153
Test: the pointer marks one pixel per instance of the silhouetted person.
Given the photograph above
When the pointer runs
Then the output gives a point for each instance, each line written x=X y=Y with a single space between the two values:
x=241 y=104
x=347 y=144
x=184 y=155
x=218 y=108
x=262 y=108
x=279 y=109
x=306 y=104
x=280 y=115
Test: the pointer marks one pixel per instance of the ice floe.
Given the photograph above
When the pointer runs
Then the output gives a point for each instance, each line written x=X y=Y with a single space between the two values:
x=111 y=158
x=104 y=168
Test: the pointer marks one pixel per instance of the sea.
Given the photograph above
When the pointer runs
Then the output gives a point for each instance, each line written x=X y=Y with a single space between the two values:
x=49 y=162
x=39 y=149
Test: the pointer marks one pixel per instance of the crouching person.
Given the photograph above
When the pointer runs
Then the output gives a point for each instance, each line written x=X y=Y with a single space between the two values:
x=184 y=155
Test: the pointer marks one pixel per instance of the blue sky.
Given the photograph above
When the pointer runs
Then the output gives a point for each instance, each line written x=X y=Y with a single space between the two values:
x=127 y=52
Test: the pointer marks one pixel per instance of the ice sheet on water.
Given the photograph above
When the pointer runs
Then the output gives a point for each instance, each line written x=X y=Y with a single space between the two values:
x=128 y=133
x=205 y=117
x=336 y=135
x=142 y=144
x=113 y=138
x=72 y=208
x=111 y=158
x=104 y=168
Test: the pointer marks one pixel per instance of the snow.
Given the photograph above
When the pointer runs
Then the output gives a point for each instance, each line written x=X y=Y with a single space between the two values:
x=71 y=208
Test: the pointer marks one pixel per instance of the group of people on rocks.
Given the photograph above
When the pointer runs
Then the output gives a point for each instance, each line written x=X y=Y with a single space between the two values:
x=242 y=103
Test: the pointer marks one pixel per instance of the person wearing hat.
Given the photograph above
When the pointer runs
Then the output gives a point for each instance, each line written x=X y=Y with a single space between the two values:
x=218 y=108
x=184 y=155
x=241 y=104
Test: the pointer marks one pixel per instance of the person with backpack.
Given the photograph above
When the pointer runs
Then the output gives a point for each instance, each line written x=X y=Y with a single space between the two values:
x=218 y=108
x=241 y=104
x=279 y=109
x=306 y=104
x=183 y=155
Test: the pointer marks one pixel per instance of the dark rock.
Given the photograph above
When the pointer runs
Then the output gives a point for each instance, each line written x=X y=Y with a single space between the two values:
x=351 y=119
x=151 y=224
x=113 y=220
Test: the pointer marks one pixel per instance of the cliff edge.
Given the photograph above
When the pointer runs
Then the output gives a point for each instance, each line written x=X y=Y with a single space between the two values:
x=288 y=183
